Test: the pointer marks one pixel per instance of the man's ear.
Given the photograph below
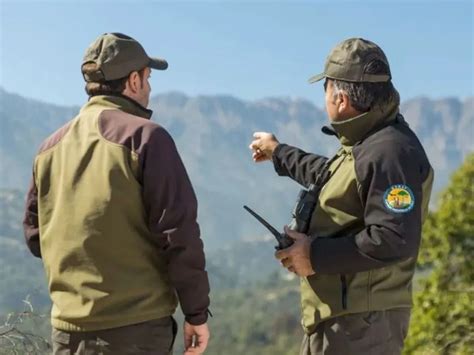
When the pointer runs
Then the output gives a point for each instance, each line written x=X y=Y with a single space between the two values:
x=133 y=82
x=344 y=102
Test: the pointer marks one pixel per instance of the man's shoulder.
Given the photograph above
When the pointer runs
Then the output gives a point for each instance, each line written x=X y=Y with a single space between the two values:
x=54 y=138
x=395 y=141
x=131 y=131
x=114 y=119
x=391 y=150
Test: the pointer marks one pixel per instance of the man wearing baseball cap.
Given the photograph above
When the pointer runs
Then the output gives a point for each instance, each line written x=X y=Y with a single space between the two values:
x=112 y=214
x=358 y=258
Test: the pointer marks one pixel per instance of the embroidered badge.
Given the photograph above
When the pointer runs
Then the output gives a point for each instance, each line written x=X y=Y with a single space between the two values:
x=399 y=198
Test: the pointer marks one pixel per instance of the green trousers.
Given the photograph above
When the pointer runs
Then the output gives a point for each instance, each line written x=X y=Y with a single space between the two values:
x=369 y=333
x=152 y=337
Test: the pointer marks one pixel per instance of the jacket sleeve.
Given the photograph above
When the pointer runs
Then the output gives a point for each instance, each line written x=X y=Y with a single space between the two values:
x=171 y=207
x=297 y=164
x=30 y=220
x=390 y=235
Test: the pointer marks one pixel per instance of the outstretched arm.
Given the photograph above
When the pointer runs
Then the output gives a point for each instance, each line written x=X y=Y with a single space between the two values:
x=287 y=160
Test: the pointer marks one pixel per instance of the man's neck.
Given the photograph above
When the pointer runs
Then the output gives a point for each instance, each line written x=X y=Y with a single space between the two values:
x=120 y=102
x=348 y=114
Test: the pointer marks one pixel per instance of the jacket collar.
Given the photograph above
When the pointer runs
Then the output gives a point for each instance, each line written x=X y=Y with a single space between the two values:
x=358 y=128
x=120 y=102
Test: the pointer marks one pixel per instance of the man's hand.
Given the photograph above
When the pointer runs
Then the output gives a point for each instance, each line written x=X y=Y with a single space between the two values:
x=263 y=146
x=296 y=257
x=196 y=338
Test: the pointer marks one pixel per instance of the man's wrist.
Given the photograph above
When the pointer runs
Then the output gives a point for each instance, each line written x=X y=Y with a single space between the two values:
x=198 y=319
x=276 y=148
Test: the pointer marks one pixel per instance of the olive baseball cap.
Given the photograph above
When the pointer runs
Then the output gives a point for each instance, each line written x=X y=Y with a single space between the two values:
x=349 y=59
x=116 y=56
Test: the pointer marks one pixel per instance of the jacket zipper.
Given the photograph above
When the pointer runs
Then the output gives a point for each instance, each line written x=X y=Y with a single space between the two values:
x=344 y=291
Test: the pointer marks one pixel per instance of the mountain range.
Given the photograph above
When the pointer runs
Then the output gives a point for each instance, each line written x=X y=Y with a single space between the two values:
x=212 y=134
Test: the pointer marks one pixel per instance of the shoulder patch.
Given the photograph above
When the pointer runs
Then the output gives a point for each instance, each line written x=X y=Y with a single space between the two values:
x=399 y=198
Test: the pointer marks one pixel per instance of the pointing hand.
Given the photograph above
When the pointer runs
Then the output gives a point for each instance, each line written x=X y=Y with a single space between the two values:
x=263 y=146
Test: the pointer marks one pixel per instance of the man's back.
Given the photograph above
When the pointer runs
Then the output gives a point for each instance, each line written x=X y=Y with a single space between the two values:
x=103 y=267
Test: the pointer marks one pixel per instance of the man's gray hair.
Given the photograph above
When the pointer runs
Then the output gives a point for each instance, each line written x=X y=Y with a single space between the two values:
x=364 y=96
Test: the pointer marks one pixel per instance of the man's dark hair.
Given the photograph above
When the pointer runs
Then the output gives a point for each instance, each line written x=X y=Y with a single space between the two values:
x=364 y=96
x=111 y=87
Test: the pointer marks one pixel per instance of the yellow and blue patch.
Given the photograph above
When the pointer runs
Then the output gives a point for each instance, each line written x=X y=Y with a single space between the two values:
x=399 y=198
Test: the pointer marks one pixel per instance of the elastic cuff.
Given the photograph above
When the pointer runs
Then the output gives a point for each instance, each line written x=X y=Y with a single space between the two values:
x=198 y=319
x=276 y=159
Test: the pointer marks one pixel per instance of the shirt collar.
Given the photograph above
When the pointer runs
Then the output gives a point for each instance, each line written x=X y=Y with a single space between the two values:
x=120 y=102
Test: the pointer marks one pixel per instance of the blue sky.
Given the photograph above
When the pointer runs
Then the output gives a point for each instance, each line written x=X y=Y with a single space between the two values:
x=246 y=49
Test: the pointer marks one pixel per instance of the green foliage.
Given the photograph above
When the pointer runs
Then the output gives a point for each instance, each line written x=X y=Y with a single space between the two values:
x=443 y=316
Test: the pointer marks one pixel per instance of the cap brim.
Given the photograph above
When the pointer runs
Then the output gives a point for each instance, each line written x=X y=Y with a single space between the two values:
x=158 y=63
x=316 y=78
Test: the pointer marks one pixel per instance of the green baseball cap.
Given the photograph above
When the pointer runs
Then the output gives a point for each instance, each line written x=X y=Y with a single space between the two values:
x=349 y=59
x=116 y=56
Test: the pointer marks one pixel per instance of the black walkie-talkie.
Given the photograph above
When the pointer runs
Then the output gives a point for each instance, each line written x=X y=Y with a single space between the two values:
x=283 y=240
x=300 y=216
x=303 y=210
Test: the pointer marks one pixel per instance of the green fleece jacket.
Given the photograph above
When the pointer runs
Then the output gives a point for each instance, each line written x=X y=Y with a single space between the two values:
x=366 y=228
x=112 y=214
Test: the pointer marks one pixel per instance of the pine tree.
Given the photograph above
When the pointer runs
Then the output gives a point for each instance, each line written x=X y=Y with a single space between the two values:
x=443 y=315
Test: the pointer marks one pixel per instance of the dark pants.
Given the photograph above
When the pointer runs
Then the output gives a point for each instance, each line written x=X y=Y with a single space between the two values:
x=368 y=333
x=152 y=337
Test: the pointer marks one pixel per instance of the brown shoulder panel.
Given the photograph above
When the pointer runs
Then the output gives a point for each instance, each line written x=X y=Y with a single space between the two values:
x=125 y=129
x=55 y=138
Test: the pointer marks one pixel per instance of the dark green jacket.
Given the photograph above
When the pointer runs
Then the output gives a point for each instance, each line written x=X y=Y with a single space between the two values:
x=366 y=228
x=112 y=214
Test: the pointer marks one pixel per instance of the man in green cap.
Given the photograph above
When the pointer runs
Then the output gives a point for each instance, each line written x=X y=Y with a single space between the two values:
x=358 y=258
x=112 y=214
